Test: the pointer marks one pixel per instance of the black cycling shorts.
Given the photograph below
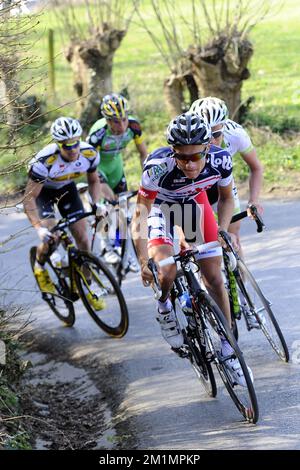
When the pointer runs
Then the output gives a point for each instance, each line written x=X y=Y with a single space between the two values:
x=67 y=200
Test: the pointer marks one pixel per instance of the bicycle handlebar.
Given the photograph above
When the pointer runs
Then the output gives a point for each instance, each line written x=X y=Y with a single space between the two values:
x=125 y=195
x=257 y=217
x=66 y=221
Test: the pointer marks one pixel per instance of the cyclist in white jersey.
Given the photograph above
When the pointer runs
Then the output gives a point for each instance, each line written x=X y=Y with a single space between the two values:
x=234 y=139
x=51 y=182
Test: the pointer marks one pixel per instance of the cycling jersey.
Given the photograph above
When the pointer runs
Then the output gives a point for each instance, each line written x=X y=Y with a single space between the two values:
x=181 y=201
x=164 y=181
x=111 y=147
x=53 y=171
x=235 y=139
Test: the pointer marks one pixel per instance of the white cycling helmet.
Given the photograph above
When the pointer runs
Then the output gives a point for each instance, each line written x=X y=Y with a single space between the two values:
x=65 y=128
x=213 y=109
x=188 y=129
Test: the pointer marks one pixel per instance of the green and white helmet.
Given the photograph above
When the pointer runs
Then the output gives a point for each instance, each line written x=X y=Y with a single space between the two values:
x=211 y=108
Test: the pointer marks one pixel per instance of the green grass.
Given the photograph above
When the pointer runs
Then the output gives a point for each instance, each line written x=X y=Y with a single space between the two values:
x=274 y=82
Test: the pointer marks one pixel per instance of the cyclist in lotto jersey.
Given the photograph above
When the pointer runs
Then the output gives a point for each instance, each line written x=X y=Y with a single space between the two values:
x=235 y=139
x=51 y=181
x=110 y=136
x=173 y=193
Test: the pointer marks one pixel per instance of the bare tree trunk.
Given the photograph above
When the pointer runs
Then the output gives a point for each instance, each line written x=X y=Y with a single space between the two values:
x=219 y=70
x=92 y=62
x=173 y=93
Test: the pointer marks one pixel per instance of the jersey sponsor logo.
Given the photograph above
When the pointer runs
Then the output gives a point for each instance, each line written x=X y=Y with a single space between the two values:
x=93 y=139
x=146 y=193
x=88 y=153
x=51 y=160
x=157 y=171
x=224 y=161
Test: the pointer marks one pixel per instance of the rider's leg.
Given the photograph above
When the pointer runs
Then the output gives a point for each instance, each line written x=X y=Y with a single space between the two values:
x=43 y=248
x=79 y=232
x=212 y=277
x=166 y=274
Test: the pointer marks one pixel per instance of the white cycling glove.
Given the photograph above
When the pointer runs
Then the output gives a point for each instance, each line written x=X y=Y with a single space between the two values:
x=44 y=234
x=100 y=210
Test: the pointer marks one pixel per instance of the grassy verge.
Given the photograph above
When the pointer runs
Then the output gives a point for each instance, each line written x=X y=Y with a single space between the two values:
x=13 y=433
x=274 y=83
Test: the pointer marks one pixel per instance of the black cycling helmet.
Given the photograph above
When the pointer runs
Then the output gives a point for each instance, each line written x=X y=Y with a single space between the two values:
x=188 y=129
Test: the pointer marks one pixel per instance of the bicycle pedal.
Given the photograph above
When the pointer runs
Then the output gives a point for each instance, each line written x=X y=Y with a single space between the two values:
x=181 y=352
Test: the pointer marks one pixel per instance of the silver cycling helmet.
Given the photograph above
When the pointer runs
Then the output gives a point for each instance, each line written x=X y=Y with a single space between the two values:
x=188 y=129
x=65 y=128
x=213 y=109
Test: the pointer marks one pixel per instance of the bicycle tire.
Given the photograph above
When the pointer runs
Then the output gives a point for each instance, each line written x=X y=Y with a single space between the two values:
x=196 y=353
x=283 y=354
x=64 y=294
x=213 y=316
x=201 y=366
x=109 y=313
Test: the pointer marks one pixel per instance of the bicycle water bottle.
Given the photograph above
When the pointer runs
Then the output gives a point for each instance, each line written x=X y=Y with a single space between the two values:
x=186 y=303
x=56 y=259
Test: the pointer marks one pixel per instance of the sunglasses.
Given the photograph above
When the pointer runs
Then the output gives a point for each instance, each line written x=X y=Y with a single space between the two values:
x=217 y=134
x=194 y=157
x=69 y=146
x=117 y=120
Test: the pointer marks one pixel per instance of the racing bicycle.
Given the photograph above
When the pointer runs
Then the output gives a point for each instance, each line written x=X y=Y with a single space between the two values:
x=202 y=329
x=82 y=275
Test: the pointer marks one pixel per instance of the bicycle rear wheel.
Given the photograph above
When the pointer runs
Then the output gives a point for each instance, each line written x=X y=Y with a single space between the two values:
x=60 y=302
x=259 y=306
x=94 y=279
x=244 y=397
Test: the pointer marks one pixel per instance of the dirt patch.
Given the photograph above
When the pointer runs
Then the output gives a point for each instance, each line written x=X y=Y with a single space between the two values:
x=63 y=407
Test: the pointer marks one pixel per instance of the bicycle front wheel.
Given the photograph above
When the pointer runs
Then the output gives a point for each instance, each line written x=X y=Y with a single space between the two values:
x=259 y=306
x=243 y=396
x=196 y=352
x=101 y=295
x=59 y=301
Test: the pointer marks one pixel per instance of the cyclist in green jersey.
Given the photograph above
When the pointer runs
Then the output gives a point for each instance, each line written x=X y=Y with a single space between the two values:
x=110 y=136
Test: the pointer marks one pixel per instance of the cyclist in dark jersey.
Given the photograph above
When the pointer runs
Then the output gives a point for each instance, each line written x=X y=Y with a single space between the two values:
x=110 y=136
x=173 y=193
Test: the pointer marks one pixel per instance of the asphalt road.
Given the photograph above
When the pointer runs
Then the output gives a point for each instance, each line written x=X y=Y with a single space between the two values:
x=154 y=397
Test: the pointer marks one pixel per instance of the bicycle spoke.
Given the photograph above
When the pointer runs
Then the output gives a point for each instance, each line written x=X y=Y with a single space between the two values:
x=101 y=296
x=243 y=396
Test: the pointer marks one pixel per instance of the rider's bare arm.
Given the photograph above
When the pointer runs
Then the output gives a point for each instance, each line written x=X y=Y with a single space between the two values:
x=140 y=227
x=256 y=176
x=32 y=191
x=142 y=149
x=225 y=206
x=94 y=186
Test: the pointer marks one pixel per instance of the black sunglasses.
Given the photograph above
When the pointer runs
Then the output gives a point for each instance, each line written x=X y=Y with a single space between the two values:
x=217 y=134
x=194 y=157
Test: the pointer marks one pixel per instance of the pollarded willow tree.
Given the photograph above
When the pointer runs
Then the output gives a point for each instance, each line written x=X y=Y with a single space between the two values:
x=206 y=46
x=92 y=46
